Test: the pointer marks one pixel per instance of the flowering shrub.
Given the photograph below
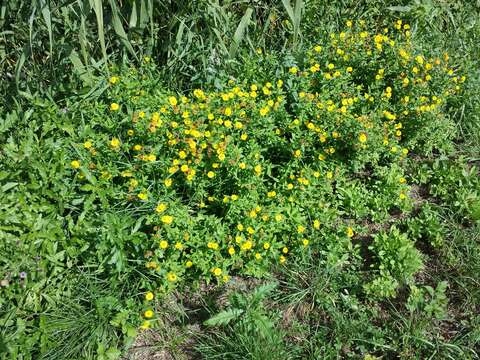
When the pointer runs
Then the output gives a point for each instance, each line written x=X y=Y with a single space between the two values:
x=255 y=173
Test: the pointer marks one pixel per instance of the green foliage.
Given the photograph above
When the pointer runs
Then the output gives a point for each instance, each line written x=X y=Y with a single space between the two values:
x=427 y=225
x=250 y=329
x=433 y=302
x=246 y=311
x=194 y=42
x=455 y=183
x=398 y=260
x=345 y=152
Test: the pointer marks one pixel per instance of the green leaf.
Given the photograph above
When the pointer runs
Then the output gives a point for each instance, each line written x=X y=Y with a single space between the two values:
x=224 y=317
x=119 y=30
x=400 y=8
x=79 y=68
x=240 y=32
x=98 y=8
x=47 y=16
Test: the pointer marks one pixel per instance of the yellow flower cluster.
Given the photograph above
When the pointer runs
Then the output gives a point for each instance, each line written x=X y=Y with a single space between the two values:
x=238 y=179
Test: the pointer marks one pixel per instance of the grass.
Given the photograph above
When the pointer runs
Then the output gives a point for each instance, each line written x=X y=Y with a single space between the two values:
x=84 y=261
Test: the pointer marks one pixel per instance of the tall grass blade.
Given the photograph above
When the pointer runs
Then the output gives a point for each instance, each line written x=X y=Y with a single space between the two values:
x=295 y=15
x=47 y=17
x=119 y=30
x=80 y=68
x=133 y=16
x=297 y=20
x=143 y=14
x=240 y=32
x=30 y=28
x=19 y=66
x=98 y=8
x=82 y=35
x=3 y=11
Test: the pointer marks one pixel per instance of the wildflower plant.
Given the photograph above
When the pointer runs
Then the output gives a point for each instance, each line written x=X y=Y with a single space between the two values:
x=237 y=179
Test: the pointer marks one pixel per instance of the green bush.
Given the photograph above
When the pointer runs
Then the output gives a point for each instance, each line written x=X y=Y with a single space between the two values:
x=398 y=261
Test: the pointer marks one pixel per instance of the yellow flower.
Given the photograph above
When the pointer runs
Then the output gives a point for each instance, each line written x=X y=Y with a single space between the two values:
x=300 y=229
x=161 y=208
x=264 y=111
x=149 y=296
x=114 y=106
x=266 y=245
x=258 y=256
x=362 y=137
x=278 y=217
x=211 y=174
x=142 y=196
x=87 y=144
x=75 y=164
x=231 y=250
x=145 y=325
x=217 y=271
x=285 y=250
x=282 y=259
x=212 y=245
x=349 y=23
x=188 y=264
x=403 y=180
x=247 y=245
x=113 y=80
x=240 y=227
x=316 y=224
x=167 y=219
x=329 y=175
x=293 y=70
x=114 y=142
x=172 y=100
x=171 y=277
x=151 y=157
x=402 y=196
x=168 y=182
x=305 y=242
x=130 y=132
x=350 y=232
x=271 y=194
x=151 y=265
x=163 y=244
x=148 y=314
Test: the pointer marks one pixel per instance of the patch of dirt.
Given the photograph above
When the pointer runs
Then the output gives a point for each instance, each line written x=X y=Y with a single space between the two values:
x=420 y=195
x=145 y=347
